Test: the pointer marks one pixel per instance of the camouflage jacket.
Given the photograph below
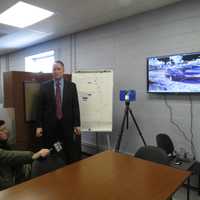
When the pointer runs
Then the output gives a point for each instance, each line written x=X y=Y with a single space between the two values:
x=10 y=160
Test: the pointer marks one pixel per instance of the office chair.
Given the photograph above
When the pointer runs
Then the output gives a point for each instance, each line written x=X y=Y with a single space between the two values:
x=164 y=142
x=152 y=153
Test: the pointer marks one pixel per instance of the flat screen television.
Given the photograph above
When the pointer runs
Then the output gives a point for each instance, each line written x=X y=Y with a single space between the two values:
x=179 y=73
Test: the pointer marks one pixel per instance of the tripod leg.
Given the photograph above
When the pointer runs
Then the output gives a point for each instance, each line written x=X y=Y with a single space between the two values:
x=127 y=120
x=117 y=147
x=138 y=128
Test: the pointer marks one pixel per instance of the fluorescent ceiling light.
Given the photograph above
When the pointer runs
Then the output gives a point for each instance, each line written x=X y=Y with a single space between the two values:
x=23 y=14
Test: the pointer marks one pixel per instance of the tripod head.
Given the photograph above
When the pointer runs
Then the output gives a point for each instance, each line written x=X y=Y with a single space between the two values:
x=127 y=95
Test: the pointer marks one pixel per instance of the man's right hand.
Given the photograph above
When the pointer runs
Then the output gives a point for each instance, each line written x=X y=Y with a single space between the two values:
x=39 y=132
x=41 y=154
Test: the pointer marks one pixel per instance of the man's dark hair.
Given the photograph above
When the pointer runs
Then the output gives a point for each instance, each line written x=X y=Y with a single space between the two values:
x=59 y=62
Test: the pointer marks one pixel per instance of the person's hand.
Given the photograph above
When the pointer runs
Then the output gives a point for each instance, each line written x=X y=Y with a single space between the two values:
x=3 y=135
x=42 y=153
x=77 y=130
x=39 y=132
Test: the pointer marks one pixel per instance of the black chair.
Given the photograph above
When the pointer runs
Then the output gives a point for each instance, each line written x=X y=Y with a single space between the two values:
x=164 y=142
x=153 y=153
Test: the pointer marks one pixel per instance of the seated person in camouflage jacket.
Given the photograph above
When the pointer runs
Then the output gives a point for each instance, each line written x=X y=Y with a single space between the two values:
x=13 y=168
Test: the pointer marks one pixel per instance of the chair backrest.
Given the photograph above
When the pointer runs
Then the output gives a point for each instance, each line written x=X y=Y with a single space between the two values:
x=153 y=153
x=164 y=142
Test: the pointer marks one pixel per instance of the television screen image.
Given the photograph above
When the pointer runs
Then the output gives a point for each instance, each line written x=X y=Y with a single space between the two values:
x=178 y=73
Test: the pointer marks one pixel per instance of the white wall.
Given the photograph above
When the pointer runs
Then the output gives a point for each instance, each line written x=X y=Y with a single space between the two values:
x=124 y=46
x=60 y=46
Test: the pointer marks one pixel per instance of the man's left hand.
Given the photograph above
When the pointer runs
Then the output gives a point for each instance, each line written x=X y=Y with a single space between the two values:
x=77 y=130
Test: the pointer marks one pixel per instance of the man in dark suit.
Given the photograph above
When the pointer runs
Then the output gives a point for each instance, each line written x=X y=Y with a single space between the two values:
x=58 y=114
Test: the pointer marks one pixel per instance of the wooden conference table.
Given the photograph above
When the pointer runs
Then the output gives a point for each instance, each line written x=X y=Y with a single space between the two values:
x=105 y=176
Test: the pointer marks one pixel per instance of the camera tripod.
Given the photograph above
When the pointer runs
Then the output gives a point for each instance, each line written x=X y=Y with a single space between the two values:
x=127 y=110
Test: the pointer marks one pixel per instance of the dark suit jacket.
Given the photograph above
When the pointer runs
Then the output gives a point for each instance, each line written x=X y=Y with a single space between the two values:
x=47 y=111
